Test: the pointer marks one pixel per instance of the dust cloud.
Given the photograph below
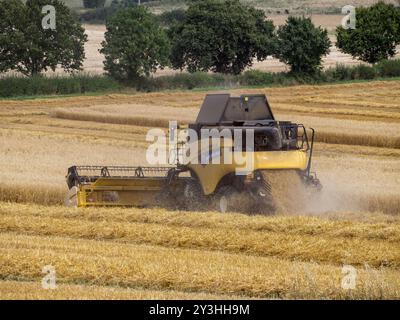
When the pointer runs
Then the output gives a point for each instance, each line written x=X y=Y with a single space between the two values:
x=292 y=196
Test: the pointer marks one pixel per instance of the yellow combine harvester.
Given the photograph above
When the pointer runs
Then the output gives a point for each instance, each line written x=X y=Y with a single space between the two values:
x=244 y=128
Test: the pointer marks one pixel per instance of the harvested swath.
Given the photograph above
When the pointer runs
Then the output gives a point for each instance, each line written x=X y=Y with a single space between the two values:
x=347 y=131
x=136 y=121
x=360 y=151
x=76 y=131
x=130 y=114
x=381 y=227
x=359 y=113
x=358 y=139
x=108 y=263
x=340 y=101
x=304 y=247
x=33 y=290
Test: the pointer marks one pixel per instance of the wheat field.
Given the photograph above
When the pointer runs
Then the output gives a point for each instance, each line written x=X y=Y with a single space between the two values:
x=150 y=253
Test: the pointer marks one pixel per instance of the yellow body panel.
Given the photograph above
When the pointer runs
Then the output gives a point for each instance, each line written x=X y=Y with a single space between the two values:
x=211 y=174
x=120 y=192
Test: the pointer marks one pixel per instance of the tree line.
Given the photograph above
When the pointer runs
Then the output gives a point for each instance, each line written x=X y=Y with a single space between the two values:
x=222 y=36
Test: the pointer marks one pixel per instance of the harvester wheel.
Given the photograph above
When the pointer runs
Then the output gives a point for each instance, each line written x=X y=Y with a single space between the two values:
x=286 y=188
x=263 y=201
x=229 y=199
x=193 y=198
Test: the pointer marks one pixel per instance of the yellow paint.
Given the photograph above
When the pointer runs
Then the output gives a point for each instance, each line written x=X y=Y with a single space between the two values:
x=210 y=175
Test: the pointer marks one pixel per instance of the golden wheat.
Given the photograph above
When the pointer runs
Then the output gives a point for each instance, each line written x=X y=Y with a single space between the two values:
x=33 y=290
x=40 y=194
x=112 y=264
x=333 y=247
x=388 y=228
x=384 y=203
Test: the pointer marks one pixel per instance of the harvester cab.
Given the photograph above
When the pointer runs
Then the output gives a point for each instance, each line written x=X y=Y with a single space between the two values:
x=227 y=160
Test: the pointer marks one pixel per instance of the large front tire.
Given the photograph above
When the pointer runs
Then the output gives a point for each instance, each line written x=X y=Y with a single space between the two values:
x=193 y=198
x=229 y=199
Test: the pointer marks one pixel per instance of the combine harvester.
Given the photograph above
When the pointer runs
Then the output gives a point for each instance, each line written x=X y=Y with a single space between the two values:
x=280 y=154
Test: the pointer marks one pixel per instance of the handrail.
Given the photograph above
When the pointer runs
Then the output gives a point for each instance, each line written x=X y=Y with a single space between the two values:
x=308 y=170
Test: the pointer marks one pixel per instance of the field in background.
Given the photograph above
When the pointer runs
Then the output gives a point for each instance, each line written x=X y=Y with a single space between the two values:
x=155 y=253
x=275 y=11
x=323 y=6
x=94 y=60
x=317 y=5
x=275 y=6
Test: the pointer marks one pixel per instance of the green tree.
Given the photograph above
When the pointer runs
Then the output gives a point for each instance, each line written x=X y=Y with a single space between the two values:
x=11 y=37
x=135 y=45
x=301 y=45
x=221 y=36
x=376 y=35
x=25 y=46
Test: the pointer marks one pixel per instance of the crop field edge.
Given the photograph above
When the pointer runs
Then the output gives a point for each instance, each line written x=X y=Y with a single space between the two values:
x=132 y=91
